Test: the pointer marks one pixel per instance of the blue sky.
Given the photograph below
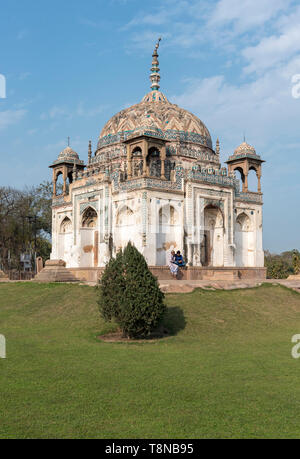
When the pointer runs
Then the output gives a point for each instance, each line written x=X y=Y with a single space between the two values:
x=70 y=65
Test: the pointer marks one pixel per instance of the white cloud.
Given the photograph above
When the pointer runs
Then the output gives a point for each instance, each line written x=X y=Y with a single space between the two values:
x=57 y=112
x=10 y=117
x=187 y=24
x=276 y=48
x=162 y=15
x=81 y=110
x=264 y=108
x=245 y=15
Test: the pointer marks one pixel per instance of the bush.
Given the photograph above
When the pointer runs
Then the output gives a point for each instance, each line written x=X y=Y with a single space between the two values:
x=279 y=266
x=278 y=269
x=296 y=262
x=111 y=288
x=130 y=294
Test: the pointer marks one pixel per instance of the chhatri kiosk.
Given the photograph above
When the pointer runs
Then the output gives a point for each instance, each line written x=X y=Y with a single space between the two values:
x=156 y=180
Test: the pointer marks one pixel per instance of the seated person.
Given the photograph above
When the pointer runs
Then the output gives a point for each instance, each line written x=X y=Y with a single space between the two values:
x=173 y=265
x=179 y=259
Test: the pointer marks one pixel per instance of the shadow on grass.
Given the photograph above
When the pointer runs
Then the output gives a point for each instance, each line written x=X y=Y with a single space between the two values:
x=172 y=323
x=174 y=320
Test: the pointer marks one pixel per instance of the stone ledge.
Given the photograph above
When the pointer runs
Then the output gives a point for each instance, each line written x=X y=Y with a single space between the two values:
x=190 y=273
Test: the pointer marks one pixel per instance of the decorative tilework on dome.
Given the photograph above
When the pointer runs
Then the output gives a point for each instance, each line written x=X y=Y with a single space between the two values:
x=157 y=113
x=245 y=148
x=68 y=155
x=155 y=96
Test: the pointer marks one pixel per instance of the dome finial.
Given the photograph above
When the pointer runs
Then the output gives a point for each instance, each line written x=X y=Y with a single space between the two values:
x=155 y=76
x=90 y=152
x=218 y=147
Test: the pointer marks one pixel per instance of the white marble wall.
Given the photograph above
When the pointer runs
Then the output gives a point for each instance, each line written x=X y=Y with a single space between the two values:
x=158 y=222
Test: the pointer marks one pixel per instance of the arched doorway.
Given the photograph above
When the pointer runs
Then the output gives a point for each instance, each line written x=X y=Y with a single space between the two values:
x=212 y=245
x=89 y=238
x=244 y=237
x=59 y=183
x=168 y=236
x=239 y=175
x=154 y=162
x=65 y=240
x=126 y=228
x=137 y=162
x=253 y=179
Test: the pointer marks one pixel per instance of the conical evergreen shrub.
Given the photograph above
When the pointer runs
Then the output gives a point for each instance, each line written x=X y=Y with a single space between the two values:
x=111 y=289
x=130 y=294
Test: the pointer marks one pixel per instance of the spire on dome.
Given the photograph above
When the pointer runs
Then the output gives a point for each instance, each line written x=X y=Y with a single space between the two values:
x=155 y=76
x=218 y=146
x=90 y=152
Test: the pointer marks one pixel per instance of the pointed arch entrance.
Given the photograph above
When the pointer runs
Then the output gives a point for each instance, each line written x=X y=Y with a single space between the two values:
x=244 y=236
x=168 y=235
x=212 y=245
x=65 y=240
x=89 y=238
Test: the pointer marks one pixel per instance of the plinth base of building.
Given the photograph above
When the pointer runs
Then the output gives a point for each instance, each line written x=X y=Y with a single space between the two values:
x=55 y=271
x=190 y=273
x=211 y=273
x=3 y=277
x=294 y=277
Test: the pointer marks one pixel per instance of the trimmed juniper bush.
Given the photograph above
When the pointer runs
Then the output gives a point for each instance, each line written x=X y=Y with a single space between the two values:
x=130 y=294
x=111 y=289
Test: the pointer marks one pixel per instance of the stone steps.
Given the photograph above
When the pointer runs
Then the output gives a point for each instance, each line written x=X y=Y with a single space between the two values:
x=55 y=271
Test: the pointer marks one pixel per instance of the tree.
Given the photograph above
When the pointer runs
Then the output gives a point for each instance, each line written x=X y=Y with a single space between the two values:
x=42 y=205
x=130 y=294
x=26 y=218
x=296 y=261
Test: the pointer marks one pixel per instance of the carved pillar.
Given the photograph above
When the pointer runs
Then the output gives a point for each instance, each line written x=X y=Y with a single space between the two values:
x=163 y=158
x=246 y=172
x=245 y=184
x=144 y=153
x=258 y=174
x=129 y=162
x=65 y=181
x=54 y=182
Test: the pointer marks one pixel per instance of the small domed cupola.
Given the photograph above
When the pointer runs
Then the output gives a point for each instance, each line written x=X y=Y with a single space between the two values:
x=245 y=149
x=67 y=164
x=244 y=160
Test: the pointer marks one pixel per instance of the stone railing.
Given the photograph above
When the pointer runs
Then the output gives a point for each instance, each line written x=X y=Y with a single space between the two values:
x=140 y=183
x=217 y=179
x=249 y=197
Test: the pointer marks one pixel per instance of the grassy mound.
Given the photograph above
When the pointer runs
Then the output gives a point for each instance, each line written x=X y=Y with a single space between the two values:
x=226 y=371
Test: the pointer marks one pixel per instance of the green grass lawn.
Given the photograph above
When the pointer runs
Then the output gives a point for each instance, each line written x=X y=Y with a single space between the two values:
x=226 y=372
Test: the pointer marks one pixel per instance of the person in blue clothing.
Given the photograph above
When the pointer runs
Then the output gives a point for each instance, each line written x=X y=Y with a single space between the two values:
x=179 y=260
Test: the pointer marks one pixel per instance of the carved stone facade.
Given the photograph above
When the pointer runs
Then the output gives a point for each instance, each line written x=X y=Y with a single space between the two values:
x=156 y=180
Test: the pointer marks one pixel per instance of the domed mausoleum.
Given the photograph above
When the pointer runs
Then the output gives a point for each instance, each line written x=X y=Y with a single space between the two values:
x=155 y=179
